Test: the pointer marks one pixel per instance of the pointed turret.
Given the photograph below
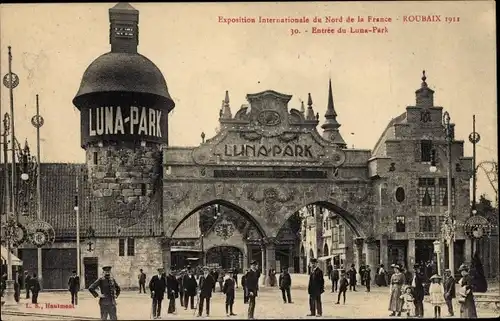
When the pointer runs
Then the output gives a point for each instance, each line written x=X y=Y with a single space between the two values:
x=124 y=28
x=424 y=95
x=226 y=110
x=310 y=111
x=302 y=108
x=331 y=126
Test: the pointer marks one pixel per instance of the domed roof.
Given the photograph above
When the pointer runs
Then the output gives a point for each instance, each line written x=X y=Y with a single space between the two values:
x=123 y=72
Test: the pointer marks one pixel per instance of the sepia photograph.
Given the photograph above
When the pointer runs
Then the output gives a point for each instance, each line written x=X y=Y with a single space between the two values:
x=249 y=160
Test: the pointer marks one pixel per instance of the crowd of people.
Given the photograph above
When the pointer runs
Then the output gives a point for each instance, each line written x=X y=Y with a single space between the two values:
x=29 y=282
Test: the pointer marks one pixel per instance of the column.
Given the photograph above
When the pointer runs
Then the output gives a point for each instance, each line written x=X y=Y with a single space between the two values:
x=384 y=255
x=270 y=256
x=290 y=259
x=245 y=258
x=468 y=250
x=263 y=267
x=358 y=255
x=371 y=258
x=167 y=257
x=411 y=255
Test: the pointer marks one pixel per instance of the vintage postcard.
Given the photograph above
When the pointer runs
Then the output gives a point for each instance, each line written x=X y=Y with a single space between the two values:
x=249 y=160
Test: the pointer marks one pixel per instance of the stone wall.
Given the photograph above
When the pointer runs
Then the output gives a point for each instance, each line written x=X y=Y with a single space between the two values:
x=124 y=180
x=148 y=256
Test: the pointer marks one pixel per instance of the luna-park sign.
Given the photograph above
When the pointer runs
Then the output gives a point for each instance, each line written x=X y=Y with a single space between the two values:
x=264 y=151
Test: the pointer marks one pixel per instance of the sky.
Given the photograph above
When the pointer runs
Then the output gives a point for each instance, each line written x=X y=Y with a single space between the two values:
x=374 y=76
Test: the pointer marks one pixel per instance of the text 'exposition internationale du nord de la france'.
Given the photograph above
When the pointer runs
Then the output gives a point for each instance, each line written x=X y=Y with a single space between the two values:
x=340 y=25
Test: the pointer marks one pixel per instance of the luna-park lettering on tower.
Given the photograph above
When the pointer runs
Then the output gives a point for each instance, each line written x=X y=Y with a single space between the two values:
x=112 y=121
x=245 y=150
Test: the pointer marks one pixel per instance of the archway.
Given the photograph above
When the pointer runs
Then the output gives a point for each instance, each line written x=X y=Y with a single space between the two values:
x=225 y=258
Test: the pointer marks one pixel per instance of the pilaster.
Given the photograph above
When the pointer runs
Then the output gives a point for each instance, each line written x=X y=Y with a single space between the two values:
x=384 y=255
x=411 y=255
x=468 y=250
x=263 y=267
x=371 y=255
x=290 y=259
x=358 y=254
x=167 y=256
x=270 y=255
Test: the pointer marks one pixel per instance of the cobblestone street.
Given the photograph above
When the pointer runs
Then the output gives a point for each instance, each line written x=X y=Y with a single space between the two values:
x=134 y=306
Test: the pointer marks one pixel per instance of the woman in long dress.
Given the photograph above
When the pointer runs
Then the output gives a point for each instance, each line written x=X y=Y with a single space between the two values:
x=465 y=294
x=396 y=284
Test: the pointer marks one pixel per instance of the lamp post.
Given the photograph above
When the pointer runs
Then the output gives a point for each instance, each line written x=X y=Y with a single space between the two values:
x=437 y=250
x=202 y=236
x=448 y=229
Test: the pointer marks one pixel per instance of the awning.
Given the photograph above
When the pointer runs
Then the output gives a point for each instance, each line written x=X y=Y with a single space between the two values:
x=183 y=249
x=15 y=259
x=324 y=258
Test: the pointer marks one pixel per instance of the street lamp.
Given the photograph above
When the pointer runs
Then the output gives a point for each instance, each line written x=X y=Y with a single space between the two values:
x=448 y=228
x=437 y=250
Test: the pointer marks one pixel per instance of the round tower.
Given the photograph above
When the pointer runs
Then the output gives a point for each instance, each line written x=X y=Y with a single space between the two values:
x=124 y=104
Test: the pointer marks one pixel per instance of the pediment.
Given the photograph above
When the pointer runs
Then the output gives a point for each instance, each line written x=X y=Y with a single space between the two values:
x=266 y=132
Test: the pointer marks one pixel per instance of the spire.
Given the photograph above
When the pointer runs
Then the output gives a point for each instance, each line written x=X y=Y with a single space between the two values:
x=124 y=28
x=310 y=111
x=302 y=108
x=331 y=126
x=226 y=110
x=424 y=95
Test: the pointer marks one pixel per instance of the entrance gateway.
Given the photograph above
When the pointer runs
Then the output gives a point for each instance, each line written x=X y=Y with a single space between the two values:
x=265 y=163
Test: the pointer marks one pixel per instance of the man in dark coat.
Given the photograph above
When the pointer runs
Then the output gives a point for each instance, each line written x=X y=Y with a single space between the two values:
x=252 y=286
x=215 y=276
x=245 y=291
x=157 y=286
x=74 y=287
x=335 y=278
x=228 y=289
x=142 y=281
x=27 y=280
x=315 y=288
x=190 y=288
x=285 y=283
x=206 y=285
x=109 y=293
x=180 y=278
x=352 y=278
x=329 y=269
x=367 y=277
x=172 y=291
x=418 y=291
x=449 y=290
x=362 y=274
x=35 y=288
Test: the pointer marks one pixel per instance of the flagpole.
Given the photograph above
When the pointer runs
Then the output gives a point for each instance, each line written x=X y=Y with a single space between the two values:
x=38 y=190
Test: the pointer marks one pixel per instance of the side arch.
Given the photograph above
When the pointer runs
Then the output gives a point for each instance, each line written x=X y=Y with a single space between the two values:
x=259 y=225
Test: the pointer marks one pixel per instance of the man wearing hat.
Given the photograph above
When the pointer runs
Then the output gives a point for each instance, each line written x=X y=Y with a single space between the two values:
x=206 y=285
x=315 y=288
x=418 y=291
x=172 y=291
x=229 y=290
x=109 y=292
x=157 y=286
x=190 y=286
x=252 y=287
x=352 y=278
x=74 y=287
x=367 y=276
x=449 y=290
x=285 y=283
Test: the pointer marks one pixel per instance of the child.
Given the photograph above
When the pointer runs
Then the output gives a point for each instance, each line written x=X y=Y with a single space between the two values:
x=228 y=290
x=408 y=304
x=436 y=292
x=343 y=284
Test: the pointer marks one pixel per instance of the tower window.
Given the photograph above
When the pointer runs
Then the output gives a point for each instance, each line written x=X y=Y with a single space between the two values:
x=121 y=247
x=428 y=224
x=96 y=158
x=425 y=150
x=426 y=191
x=124 y=32
x=143 y=189
x=400 y=224
x=130 y=247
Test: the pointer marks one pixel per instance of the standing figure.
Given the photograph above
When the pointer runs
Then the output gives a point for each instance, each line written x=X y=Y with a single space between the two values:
x=342 y=286
x=397 y=282
x=220 y=279
x=418 y=291
x=190 y=287
x=252 y=286
x=17 y=286
x=172 y=291
x=352 y=278
x=315 y=288
x=466 y=296
x=362 y=274
x=335 y=278
x=329 y=269
x=206 y=285
x=27 y=281
x=285 y=281
x=245 y=291
x=367 y=276
x=180 y=278
x=35 y=288
x=228 y=289
x=449 y=291
x=235 y=277
x=215 y=276
x=109 y=293
x=436 y=292
x=157 y=286
x=381 y=277
x=142 y=281
x=74 y=287
x=408 y=302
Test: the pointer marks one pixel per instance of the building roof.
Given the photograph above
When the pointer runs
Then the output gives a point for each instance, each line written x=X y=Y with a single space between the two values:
x=58 y=190
x=388 y=133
